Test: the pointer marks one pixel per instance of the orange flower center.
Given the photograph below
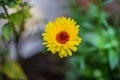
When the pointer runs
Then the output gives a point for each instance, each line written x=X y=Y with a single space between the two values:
x=62 y=37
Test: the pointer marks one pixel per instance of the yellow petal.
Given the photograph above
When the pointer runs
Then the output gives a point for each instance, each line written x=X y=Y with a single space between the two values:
x=69 y=52
x=73 y=48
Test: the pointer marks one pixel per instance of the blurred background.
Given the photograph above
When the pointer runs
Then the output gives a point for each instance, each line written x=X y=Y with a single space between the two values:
x=24 y=57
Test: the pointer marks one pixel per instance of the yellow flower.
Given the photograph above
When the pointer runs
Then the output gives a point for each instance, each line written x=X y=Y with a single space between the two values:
x=61 y=36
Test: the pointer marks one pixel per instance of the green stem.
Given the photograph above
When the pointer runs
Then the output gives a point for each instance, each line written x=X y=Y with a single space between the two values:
x=17 y=36
x=6 y=12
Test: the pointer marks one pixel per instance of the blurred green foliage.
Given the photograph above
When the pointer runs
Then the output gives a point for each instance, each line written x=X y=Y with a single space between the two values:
x=7 y=31
x=13 y=27
x=10 y=3
x=13 y=70
x=98 y=55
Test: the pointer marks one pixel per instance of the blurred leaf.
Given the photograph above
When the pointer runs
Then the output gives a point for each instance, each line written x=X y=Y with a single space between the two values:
x=103 y=18
x=13 y=3
x=87 y=25
x=82 y=63
x=18 y=1
x=97 y=73
x=115 y=43
x=111 y=33
x=99 y=34
x=75 y=62
x=87 y=72
x=4 y=53
x=2 y=15
x=13 y=70
x=7 y=31
x=19 y=17
x=95 y=39
x=93 y=11
x=113 y=59
x=16 y=18
x=107 y=46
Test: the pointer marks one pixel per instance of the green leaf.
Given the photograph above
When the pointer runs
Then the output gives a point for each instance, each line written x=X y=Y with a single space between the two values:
x=18 y=1
x=14 y=71
x=7 y=31
x=113 y=59
x=19 y=17
x=96 y=39
x=11 y=4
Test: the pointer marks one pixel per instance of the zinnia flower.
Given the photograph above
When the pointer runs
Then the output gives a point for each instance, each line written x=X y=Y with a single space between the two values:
x=61 y=36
